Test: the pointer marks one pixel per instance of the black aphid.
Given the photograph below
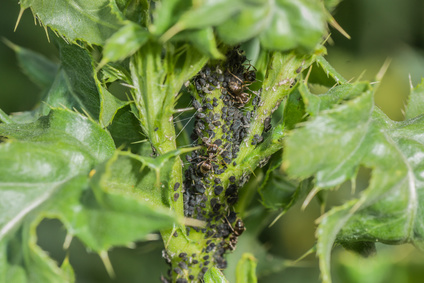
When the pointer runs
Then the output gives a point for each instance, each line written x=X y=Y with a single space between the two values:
x=218 y=190
x=176 y=186
x=176 y=196
x=182 y=265
x=177 y=270
x=200 y=115
x=197 y=105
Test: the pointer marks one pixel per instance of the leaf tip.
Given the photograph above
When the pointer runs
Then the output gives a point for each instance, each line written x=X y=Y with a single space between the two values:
x=21 y=12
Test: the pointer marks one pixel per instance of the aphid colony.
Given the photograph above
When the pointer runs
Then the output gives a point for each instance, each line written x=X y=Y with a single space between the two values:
x=224 y=107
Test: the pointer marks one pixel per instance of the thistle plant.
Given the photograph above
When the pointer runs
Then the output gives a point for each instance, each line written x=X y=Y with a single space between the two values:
x=218 y=112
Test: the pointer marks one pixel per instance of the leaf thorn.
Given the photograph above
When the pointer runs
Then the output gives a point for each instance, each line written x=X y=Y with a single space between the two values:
x=67 y=242
x=21 y=12
x=108 y=265
x=310 y=196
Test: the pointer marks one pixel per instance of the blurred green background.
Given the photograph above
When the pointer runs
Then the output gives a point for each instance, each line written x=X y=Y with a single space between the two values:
x=380 y=29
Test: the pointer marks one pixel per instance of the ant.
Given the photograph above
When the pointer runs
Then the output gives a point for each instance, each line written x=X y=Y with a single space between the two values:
x=213 y=151
x=238 y=229
x=237 y=85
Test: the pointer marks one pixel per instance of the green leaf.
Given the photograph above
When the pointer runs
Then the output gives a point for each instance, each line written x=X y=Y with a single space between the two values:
x=167 y=12
x=124 y=43
x=125 y=129
x=38 y=68
x=205 y=14
x=276 y=190
x=109 y=105
x=214 y=275
x=357 y=134
x=75 y=84
x=90 y=21
x=294 y=109
x=246 y=269
x=39 y=266
x=121 y=177
x=41 y=159
x=415 y=102
x=336 y=95
x=5 y=118
x=41 y=156
x=10 y=272
x=280 y=25
x=324 y=74
x=337 y=131
x=135 y=10
x=45 y=173
x=203 y=40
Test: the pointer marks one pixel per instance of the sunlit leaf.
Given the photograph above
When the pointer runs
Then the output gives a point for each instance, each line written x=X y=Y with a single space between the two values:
x=280 y=25
x=91 y=21
x=355 y=134
x=124 y=43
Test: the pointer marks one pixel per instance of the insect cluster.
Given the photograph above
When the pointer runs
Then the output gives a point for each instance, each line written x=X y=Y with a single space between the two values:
x=225 y=107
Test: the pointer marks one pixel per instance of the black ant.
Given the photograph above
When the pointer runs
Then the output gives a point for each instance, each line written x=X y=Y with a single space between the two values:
x=238 y=229
x=237 y=86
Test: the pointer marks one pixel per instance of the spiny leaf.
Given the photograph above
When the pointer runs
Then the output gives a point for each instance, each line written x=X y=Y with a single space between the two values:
x=45 y=174
x=43 y=155
x=75 y=83
x=324 y=74
x=337 y=95
x=337 y=131
x=40 y=159
x=72 y=86
x=37 y=67
x=358 y=134
x=415 y=102
x=90 y=21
